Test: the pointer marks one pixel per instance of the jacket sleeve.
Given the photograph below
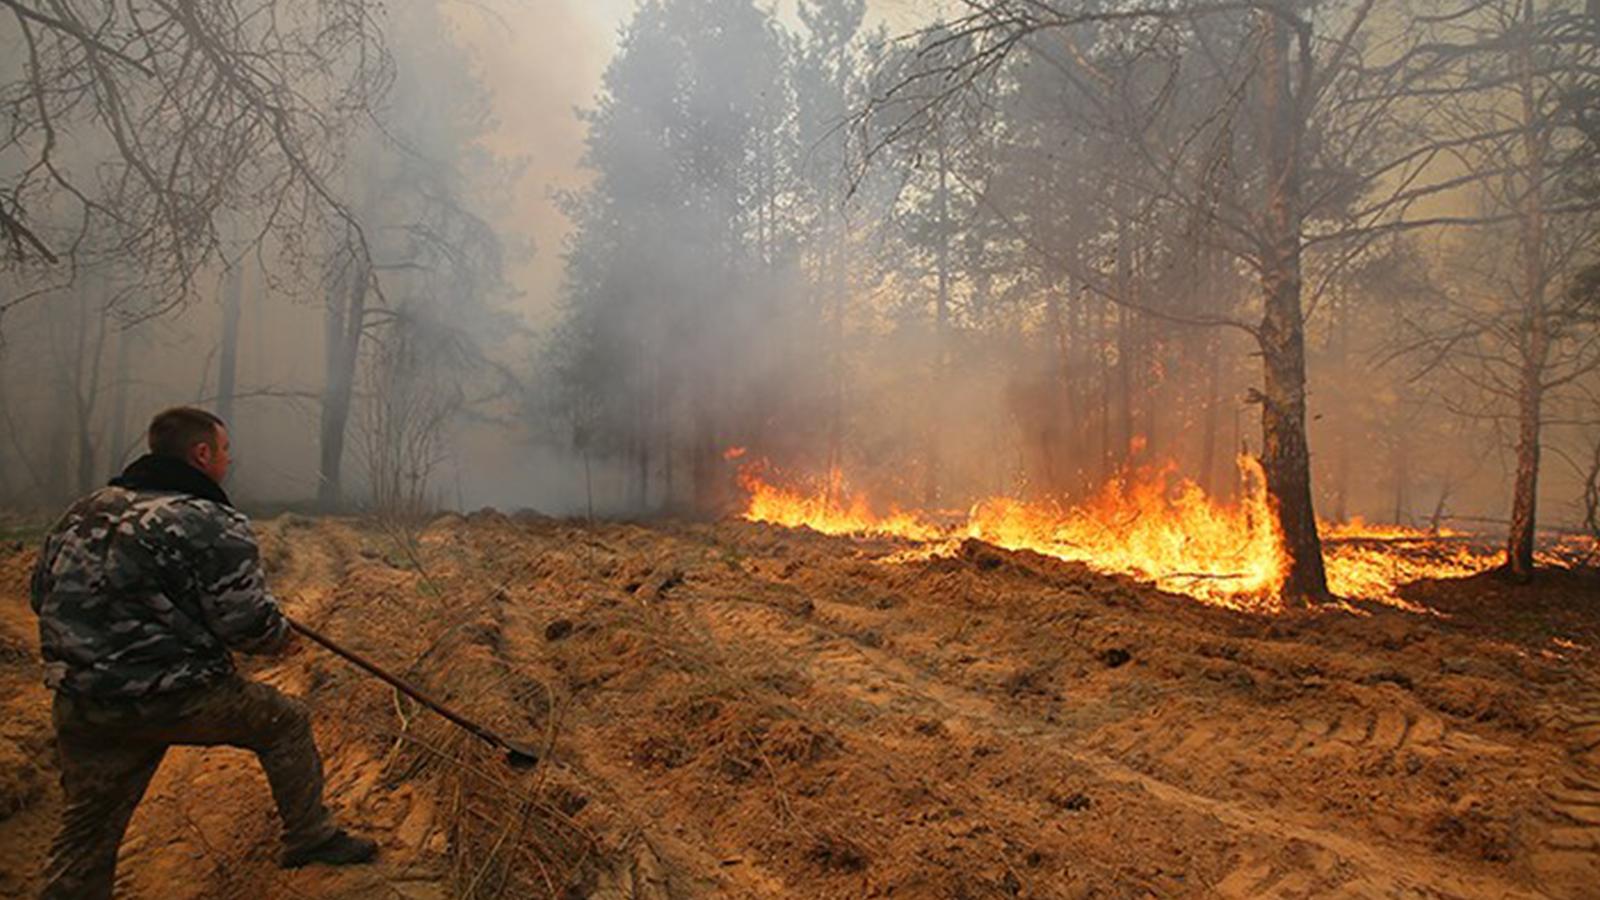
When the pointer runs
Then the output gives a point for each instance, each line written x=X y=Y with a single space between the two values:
x=234 y=598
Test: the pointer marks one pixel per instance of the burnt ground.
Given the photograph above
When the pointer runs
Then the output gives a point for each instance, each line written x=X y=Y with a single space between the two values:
x=741 y=710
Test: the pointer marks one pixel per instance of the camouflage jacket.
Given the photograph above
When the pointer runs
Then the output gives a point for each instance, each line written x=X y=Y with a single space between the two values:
x=144 y=592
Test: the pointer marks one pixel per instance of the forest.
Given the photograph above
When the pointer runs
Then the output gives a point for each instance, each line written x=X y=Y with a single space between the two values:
x=1072 y=395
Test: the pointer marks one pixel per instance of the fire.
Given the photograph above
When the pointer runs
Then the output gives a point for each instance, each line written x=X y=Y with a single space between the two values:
x=829 y=508
x=1367 y=561
x=1358 y=528
x=1148 y=523
x=1376 y=572
x=1154 y=526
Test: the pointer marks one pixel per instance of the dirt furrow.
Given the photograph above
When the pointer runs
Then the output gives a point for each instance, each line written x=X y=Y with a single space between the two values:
x=876 y=676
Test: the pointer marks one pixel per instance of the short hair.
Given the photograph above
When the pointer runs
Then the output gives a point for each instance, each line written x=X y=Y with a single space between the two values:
x=173 y=431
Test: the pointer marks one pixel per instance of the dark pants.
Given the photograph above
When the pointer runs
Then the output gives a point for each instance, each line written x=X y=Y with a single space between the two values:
x=109 y=751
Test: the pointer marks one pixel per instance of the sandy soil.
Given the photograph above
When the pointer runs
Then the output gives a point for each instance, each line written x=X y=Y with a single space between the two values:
x=740 y=710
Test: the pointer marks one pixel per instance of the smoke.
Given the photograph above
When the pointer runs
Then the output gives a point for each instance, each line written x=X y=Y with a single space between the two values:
x=544 y=62
x=613 y=240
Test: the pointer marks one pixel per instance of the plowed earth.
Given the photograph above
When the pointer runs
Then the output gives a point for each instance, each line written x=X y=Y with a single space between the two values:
x=742 y=710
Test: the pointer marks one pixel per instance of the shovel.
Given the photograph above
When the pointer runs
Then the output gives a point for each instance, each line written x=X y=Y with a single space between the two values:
x=518 y=755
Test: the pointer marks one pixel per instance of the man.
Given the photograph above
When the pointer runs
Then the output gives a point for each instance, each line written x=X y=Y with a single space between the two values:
x=143 y=589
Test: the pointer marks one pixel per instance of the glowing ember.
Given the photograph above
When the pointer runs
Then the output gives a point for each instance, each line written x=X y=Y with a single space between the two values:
x=1150 y=524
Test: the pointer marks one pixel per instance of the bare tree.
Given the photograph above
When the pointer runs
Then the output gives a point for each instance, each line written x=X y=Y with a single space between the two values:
x=410 y=401
x=200 y=107
x=1519 y=336
x=1311 y=142
x=1274 y=72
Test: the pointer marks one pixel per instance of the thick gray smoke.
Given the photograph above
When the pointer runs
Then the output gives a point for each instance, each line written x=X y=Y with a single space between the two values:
x=600 y=257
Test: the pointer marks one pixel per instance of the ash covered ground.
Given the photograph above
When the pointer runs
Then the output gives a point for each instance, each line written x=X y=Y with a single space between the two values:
x=740 y=709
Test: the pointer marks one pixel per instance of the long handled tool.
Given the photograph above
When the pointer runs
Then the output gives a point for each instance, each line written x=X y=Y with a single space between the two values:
x=518 y=755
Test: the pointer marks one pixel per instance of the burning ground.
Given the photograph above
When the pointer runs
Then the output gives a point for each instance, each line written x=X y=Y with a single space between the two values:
x=744 y=709
x=1153 y=524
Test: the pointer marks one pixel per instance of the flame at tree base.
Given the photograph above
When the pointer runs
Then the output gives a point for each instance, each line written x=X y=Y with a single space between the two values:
x=1148 y=523
x=1157 y=527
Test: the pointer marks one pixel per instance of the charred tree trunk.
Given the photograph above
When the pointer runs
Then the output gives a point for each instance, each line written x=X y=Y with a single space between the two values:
x=1286 y=458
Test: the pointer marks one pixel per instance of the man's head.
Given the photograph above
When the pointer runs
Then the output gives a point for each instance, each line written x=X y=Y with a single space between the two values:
x=193 y=436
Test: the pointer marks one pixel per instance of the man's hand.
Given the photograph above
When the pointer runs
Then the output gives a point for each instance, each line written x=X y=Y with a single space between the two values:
x=293 y=645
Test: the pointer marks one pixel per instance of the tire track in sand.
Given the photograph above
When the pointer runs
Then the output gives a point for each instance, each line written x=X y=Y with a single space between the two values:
x=1324 y=859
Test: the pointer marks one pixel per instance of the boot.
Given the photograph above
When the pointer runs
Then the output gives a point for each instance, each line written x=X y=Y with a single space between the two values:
x=342 y=849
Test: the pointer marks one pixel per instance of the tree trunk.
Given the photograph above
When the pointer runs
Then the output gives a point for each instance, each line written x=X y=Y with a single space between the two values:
x=86 y=384
x=1341 y=436
x=836 y=363
x=1208 y=429
x=1077 y=392
x=1286 y=458
x=1107 y=454
x=118 y=439
x=1125 y=432
x=346 y=313
x=941 y=338
x=1062 y=419
x=1146 y=357
x=1524 y=498
x=641 y=451
x=1532 y=328
x=58 y=490
x=704 y=471
x=58 y=455
x=232 y=290
x=664 y=416
x=1401 y=464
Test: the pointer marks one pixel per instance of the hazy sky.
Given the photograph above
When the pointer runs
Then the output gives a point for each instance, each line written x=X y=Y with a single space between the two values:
x=543 y=59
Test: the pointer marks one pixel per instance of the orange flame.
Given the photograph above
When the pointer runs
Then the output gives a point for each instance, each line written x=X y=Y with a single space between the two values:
x=1148 y=523
x=1371 y=561
x=830 y=508
x=1358 y=528
x=1157 y=527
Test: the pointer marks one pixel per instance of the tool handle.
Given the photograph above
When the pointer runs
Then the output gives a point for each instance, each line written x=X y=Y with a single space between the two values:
x=401 y=685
